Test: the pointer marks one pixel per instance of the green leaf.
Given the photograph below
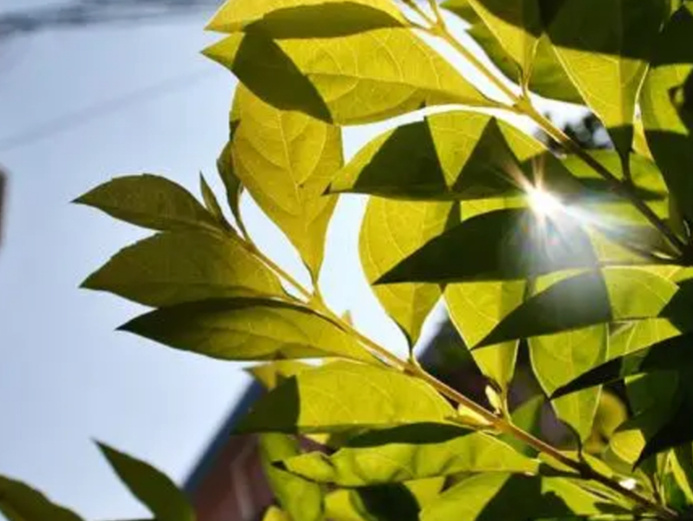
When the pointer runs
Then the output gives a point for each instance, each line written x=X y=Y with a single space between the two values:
x=586 y=299
x=517 y=26
x=212 y=204
x=349 y=80
x=247 y=329
x=286 y=161
x=668 y=355
x=233 y=185
x=528 y=418
x=508 y=245
x=666 y=115
x=682 y=467
x=331 y=398
x=305 y=18
x=391 y=230
x=475 y=308
x=557 y=359
x=604 y=46
x=547 y=77
x=273 y=373
x=408 y=453
x=150 y=201
x=301 y=499
x=155 y=490
x=20 y=502
x=176 y=267
x=454 y=155
x=491 y=497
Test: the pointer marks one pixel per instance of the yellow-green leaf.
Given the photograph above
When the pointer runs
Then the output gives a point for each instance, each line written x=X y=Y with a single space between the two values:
x=275 y=514
x=391 y=230
x=604 y=46
x=408 y=453
x=301 y=499
x=305 y=18
x=348 y=80
x=342 y=396
x=247 y=329
x=273 y=373
x=517 y=26
x=150 y=201
x=176 y=267
x=286 y=160
x=20 y=502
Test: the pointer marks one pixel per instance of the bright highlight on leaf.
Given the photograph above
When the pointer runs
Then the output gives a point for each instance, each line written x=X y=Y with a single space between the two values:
x=543 y=203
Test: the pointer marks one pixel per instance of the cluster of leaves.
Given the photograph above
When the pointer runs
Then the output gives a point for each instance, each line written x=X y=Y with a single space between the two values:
x=596 y=285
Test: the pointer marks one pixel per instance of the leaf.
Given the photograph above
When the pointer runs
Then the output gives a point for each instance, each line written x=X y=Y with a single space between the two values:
x=228 y=176
x=667 y=120
x=305 y=18
x=454 y=155
x=490 y=497
x=275 y=514
x=212 y=204
x=20 y=502
x=286 y=161
x=350 y=80
x=247 y=329
x=527 y=417
x=391 y=230
x=517 y=26
x=407 y=453
x=668 y=355
x=474 y=309
x=389 y=502
x=586 y=299
x=301 y=499
x=155 y=490
x=151 y=202
x=604 y=46
x=557 y=359
x=331 y=398
x=176 y=267
x=507 y=245
x=273 y=373
x=682 y=467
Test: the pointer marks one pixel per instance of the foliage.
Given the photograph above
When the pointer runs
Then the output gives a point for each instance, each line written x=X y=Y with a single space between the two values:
x=578 y=260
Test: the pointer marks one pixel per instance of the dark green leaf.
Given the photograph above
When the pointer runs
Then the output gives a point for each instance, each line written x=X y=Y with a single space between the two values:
x=408 y=453
x=212 y=204
x=177 y=267
x=499 y=245
x=155 y=490
x=247 y=329
x=301 y=499
x=20 y=502
x=151 y=202
x=331 y=398
x=228 y=176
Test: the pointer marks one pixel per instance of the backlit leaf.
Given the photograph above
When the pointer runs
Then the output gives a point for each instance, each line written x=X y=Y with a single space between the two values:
x=301 y=499
x=391 y=230
x=305 y=18
x=228 y=176
x=331 y=398
x=495 y=496
x=286 y=160
x=176 y=267
x=150 y=201
x=604 y=46
x=666 y=115
x=273 y=373
x=408 y=453
x=247 y=329
x=349 y=80
x=275 y=514
x=155 y=490
x=212 y=204
x=20 y=502
x=499 y=245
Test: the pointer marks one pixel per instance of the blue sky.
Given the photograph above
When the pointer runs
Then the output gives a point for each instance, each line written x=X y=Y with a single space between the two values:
x=66 y=377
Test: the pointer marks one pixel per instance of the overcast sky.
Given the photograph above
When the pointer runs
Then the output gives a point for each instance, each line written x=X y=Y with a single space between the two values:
x=78 y=108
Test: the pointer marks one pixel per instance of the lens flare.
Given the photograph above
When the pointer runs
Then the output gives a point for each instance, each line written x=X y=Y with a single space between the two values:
x=543 y=203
